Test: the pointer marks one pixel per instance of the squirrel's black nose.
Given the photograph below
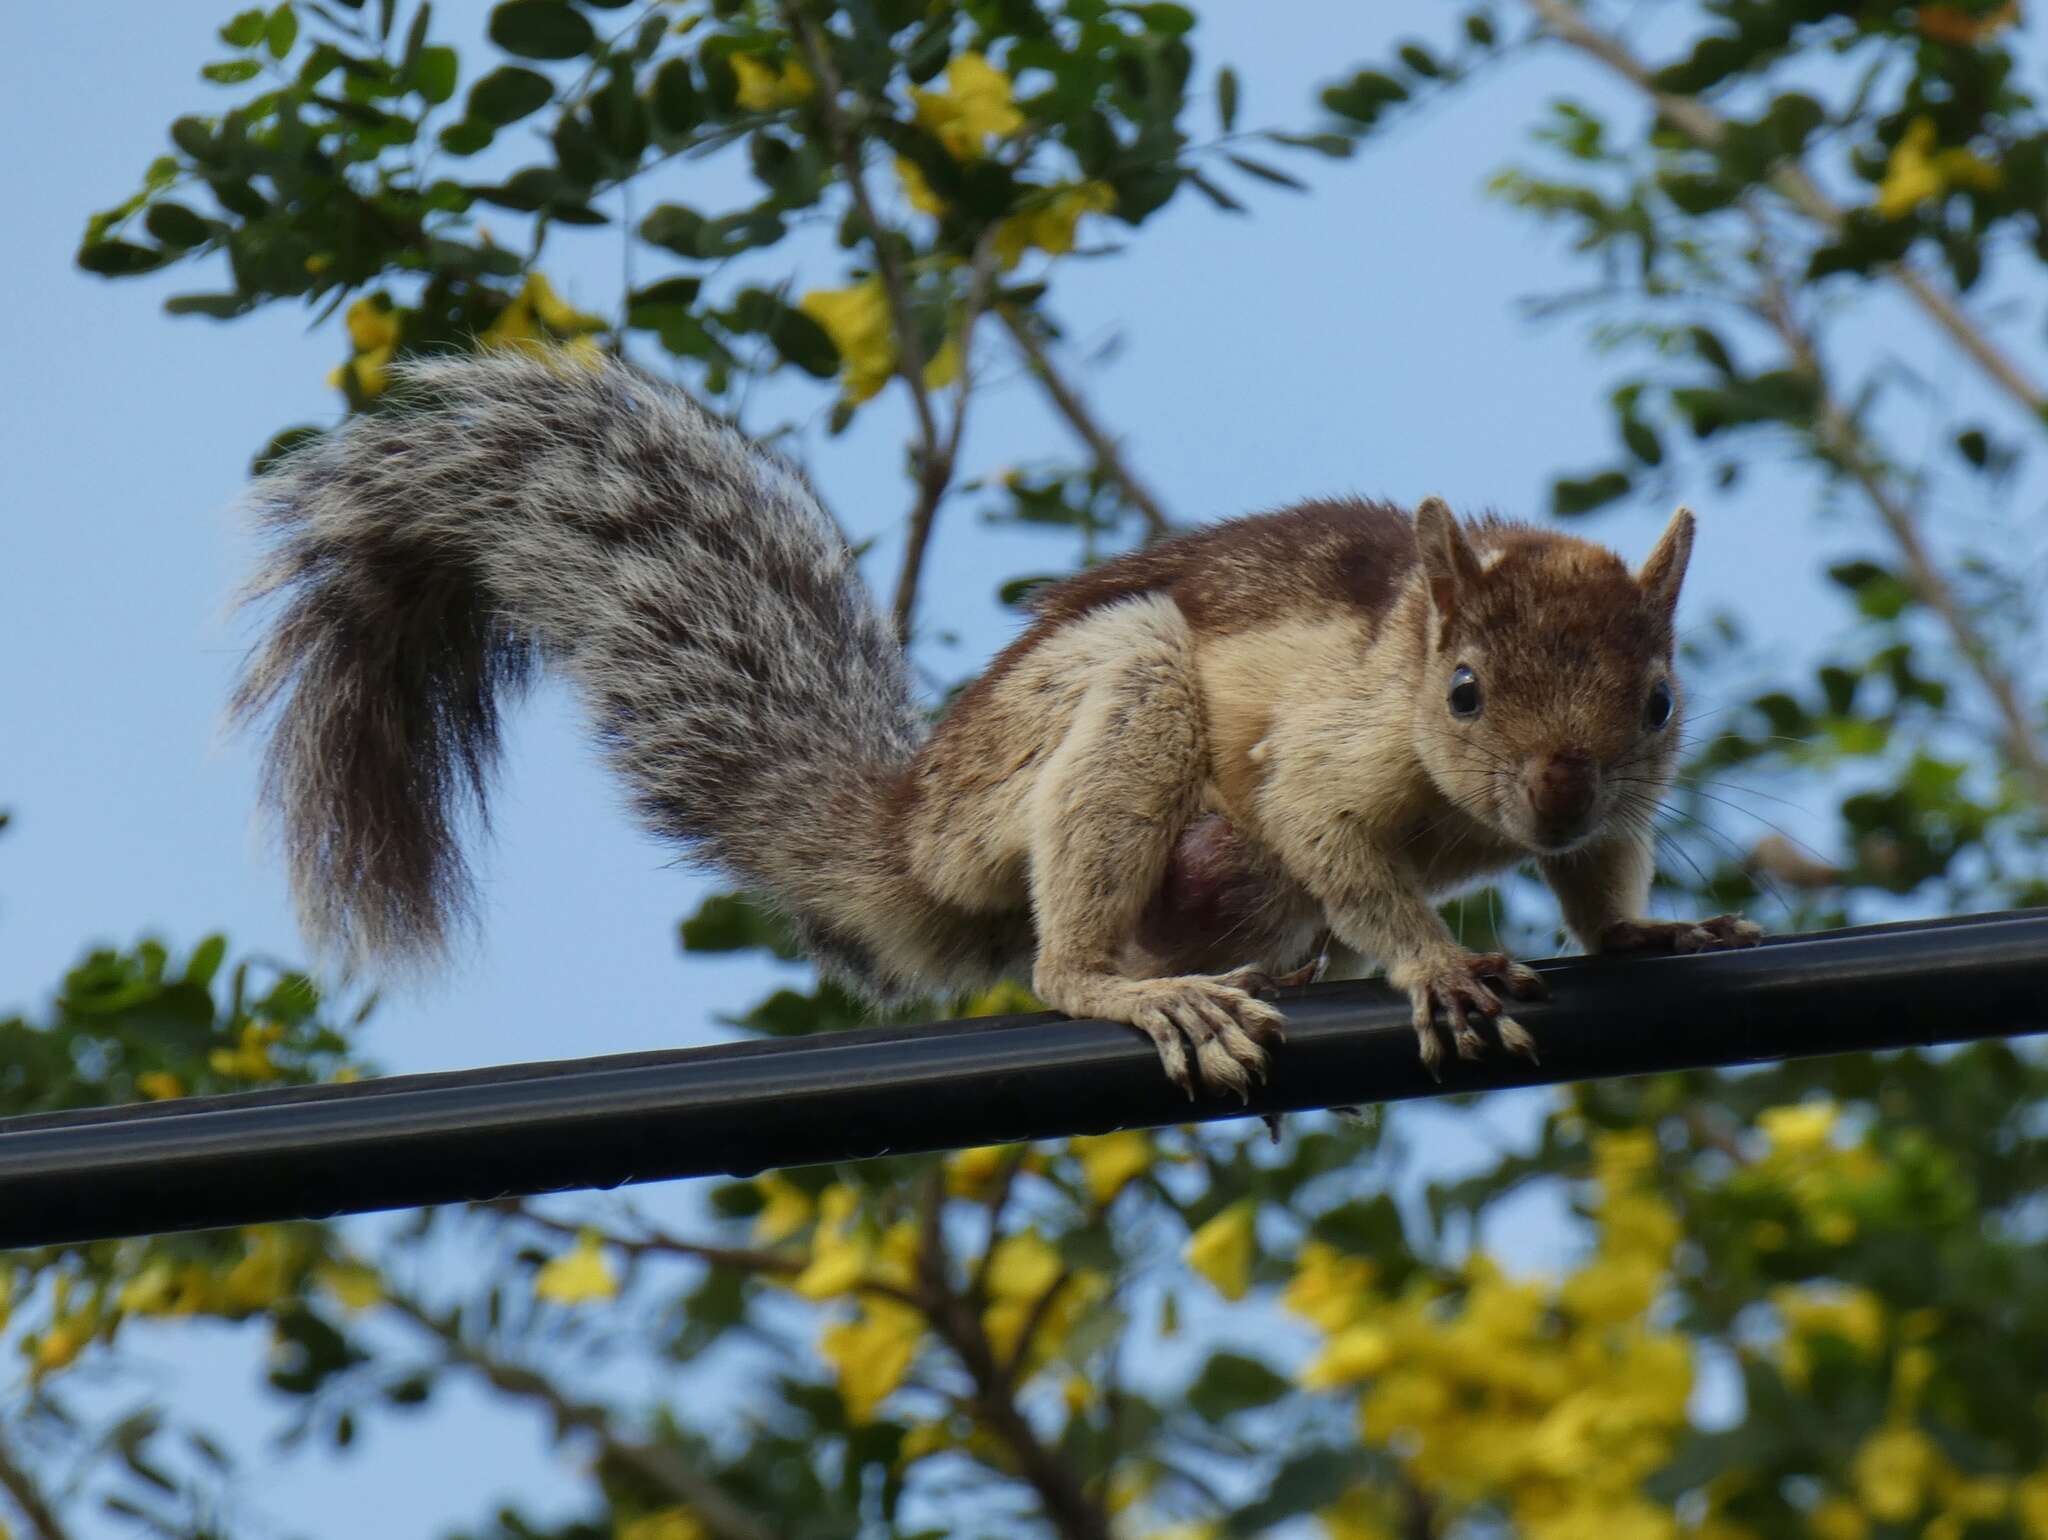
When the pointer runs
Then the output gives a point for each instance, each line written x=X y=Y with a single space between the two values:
x=1561 y=788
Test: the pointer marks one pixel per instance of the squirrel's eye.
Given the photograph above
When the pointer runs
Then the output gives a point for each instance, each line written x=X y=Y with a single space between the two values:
x=1464 y=698
x=1657 y=710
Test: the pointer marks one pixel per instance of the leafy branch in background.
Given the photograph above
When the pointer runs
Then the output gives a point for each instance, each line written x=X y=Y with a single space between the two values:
x=1182 y=1333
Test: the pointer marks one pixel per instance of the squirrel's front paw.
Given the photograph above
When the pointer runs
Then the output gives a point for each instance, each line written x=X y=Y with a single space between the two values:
x=1718 y=934
x=1455 y=984
x=1222 y=1023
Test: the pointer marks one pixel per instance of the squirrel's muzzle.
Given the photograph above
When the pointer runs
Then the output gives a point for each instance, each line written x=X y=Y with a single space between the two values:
x=1561 y=789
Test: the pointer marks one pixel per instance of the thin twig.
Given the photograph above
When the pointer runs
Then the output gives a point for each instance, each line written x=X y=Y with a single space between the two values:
x=895 y=282
x=935 y=474
x=28 y=1499
x=664 y=1467
x=1707 y=128
x=957 y=1322
x=652 y=1242
x=1107 y=455
x=1842 y=441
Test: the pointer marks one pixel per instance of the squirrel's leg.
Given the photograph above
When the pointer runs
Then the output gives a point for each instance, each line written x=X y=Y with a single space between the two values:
x=1604 y=890
x=1376 y=909
x=1107 y=809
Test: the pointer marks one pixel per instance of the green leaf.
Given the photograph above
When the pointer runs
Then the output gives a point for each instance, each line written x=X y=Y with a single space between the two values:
x=677 y=108
x=803 y=342
x=679 y=229
x=231 y=72
x=175 y=225
x=1421 y=61
x=1568 y=496
x=205 y=961
x=1231 y=1382
x=221 y=307
x=508 y=94
x=118 y=259
x=281 y=445
x=1335 y=146
x=281 y=31
x=1266 y=173
x=1213 y=193
x=433 y=74
x=541 y=29
x=245 y=31
x=195 y=137
x=669 y=291
x=1226 y=98
x=466 y=137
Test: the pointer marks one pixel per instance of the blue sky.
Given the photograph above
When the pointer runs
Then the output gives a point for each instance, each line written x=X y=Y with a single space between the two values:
x=1366 y=338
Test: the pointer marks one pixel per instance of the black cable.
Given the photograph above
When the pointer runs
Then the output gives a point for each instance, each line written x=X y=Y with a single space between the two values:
x=739 y=1108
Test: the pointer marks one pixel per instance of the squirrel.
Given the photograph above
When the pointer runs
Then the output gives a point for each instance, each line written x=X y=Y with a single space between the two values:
x=1198 y=763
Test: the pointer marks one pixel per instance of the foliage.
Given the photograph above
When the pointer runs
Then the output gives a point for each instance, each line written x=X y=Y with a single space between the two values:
x=1806 y=1300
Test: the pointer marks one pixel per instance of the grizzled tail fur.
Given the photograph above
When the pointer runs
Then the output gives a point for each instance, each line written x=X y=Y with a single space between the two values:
x=510 y=511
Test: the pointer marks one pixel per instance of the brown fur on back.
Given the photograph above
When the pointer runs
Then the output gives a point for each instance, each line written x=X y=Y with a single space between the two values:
x=1338 y=553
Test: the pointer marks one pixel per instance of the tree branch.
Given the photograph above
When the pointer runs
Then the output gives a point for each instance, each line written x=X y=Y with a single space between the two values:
x=1842 y=442
x=747 y=1259
x=957 y=1323
x=1070 y=405
x=1708 y=129
x=662 y=1467
x=936 y=473
x=28 y=1499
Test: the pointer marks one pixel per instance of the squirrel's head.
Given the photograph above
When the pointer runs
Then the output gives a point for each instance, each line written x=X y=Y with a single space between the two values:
x=1548 y=707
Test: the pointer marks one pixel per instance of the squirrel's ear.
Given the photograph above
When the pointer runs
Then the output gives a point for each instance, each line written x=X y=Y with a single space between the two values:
x=1663 y=569
x=1448 y=563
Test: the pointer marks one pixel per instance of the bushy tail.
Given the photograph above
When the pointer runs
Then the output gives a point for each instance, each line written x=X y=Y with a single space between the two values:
x=512 y=510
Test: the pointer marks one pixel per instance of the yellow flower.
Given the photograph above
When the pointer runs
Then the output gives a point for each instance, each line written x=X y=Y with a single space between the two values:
x=971 y=1173
x=785 y=1209
x=927 y=1438
x=1360 y=1514
x=1801 y=1129
x=1837 y=1518
x=1050 y=228
x=579 y=1275
x=975 y=105
x=1076 y=1394
x=1222 y=1250
x=250 y=1058
x=540 y=321
x=857 y=321
x=263 y=1275
x=1023 y=1267
x=1329 y=1287
x=58 y=1347
x=1022 y=1272
x=1893 y=1470
x=1005 y=999
x=2030 y=1498
x=1918 y=173
x=871 y=1353
x=917 y=189
x=765 y=86
x=1622 y=1159
x=664 y=1524
x=372 y=323
x=1110 y=1161
x=1613 y=1288
x=159 y=1085
x=838 y=1256
x=357 y=1287
x=167 y=1288
x=1353 y=1354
